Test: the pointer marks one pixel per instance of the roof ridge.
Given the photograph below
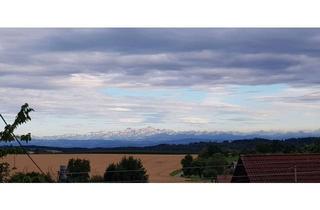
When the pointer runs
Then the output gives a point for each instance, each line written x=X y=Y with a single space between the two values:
x=291 y=154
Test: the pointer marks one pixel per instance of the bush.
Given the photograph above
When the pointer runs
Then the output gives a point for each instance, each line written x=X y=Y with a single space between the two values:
x=210 y=173
x=127 y=170
x=97 y=179
x=32 y=177
x=78 y=170
x=4 y=171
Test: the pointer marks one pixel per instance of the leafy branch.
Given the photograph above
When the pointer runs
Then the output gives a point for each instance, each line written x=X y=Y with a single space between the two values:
x=22 y=117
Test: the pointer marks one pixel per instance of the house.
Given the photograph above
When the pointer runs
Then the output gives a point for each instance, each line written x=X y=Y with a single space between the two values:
x=279 y=168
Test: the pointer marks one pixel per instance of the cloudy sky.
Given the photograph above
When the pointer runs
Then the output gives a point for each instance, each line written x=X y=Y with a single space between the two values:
x=86 y=80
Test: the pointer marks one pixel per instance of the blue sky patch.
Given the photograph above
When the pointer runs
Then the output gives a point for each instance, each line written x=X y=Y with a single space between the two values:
x=185 y=94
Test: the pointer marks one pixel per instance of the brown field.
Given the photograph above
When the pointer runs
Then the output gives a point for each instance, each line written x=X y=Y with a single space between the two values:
x=158 y=167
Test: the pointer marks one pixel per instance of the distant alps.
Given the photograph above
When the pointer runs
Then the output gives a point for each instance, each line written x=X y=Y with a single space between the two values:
x=153 y=136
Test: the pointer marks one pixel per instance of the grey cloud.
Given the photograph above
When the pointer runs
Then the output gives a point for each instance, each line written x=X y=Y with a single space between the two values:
x=177 y=40
x=159 y=57
x=309 y=98
x=160 y=40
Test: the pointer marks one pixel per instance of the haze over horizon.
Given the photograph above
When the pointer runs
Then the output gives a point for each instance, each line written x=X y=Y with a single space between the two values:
x=88 y=80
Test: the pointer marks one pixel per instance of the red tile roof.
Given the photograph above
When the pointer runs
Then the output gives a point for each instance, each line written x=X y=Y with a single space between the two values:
x=278 y=168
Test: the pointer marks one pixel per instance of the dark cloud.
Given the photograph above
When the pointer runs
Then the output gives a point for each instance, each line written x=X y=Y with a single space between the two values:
x=173 y=40
x=161 y=57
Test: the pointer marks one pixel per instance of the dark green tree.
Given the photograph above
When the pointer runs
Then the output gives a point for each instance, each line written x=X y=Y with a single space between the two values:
x=263 y=148
x=186 y=163
x=215 y=165
x=127 y=170
x=111 y=173
x=78 y=170
x=198 y=166
x=209 y=151
x=313 y=148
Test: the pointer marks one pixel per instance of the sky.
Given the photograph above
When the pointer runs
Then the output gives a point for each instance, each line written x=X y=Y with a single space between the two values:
x=89 y=80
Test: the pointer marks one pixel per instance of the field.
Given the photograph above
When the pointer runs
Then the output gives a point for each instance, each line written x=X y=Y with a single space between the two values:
x=158 y=167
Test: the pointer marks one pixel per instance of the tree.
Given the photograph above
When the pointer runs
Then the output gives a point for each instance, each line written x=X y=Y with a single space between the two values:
x=127 y=170
x=7 y=135
x=313 y=148
x=209 y=151
x=215 y=165
x=186 y=163
x=32 y=177
x=277 y=146
x=111 y=173
x=263 y=148
x=78 y=170
x=21 y=118
x=198 y=165
x=210 y=167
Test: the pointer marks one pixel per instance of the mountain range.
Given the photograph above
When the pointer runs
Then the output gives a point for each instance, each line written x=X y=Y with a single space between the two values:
x=153 y=136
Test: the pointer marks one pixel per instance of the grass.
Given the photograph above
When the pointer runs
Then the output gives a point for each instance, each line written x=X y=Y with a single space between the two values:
x=232 y=158
x=176 y=172
x=193 y=178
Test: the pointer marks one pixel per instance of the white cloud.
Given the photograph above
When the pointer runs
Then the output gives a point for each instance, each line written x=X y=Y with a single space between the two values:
x=195 y=120
x=131 y=120
x=119 y=109
x=86 y=80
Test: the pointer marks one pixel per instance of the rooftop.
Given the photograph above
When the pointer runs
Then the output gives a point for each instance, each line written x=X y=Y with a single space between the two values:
x=279 y=168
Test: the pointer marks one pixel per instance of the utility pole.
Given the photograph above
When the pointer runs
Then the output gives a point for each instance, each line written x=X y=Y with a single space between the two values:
x=14 y=162
x=62 y=174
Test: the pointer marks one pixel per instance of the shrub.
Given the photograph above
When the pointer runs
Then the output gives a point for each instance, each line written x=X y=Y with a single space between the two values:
x=97 y=179
x=32 y=177
x=4 y=171
x=210 y=173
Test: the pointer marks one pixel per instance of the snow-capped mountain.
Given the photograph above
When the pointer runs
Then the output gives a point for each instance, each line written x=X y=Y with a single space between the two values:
x=150 y=136
x=127 y=134
x=155 y=134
